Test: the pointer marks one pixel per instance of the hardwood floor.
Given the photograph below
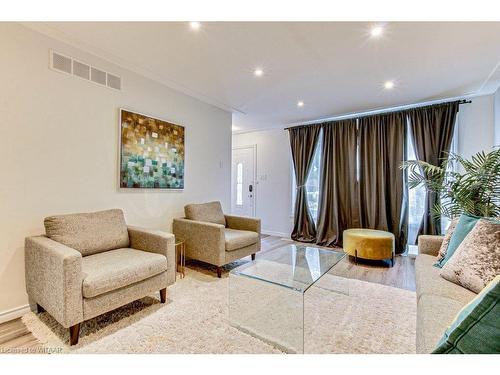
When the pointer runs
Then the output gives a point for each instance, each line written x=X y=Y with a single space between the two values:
x=15 y=337
x=402 y=275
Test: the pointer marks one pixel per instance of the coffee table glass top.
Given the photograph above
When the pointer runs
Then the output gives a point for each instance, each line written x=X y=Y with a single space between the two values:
x=292 y=266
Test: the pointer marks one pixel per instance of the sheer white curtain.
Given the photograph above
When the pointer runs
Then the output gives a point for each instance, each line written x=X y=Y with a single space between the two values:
x=312 y=184
x=416 y=200
x=416 y=196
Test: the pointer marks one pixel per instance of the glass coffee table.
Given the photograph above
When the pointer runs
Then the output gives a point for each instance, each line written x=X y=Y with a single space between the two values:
x=266 y=296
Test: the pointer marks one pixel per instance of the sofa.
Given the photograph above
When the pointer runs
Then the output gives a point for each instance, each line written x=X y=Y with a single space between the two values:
x=90 y=263
x=438 y=300
x=215 y=238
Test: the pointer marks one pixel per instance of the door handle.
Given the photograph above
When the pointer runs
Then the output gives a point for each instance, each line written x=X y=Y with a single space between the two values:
x=250 y=188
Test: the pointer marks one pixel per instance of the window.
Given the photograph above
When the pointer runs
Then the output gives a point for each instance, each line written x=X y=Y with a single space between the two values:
x=416 y=196
x=416 y=199
x=239 y=184
x=312 y=183
x=445 y=222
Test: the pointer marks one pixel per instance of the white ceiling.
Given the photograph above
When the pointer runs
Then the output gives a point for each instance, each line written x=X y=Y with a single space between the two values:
x=335 y=67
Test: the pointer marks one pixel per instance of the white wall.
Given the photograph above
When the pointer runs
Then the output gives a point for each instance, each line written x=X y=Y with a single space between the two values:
x=59 y=148
x=476 y=126
x=475 y=132
x=496 y=113
x=273 y=195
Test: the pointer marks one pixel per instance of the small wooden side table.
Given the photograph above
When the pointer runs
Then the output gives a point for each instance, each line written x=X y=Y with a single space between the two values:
x=180 y=256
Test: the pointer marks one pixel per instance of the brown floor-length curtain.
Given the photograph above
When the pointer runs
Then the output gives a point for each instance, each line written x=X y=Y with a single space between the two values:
x=382 y=188
x=432 y=133
x=303 y=141
x=338 y=203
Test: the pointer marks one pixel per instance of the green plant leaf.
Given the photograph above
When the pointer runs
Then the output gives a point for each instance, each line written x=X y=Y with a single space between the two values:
x=474 y=187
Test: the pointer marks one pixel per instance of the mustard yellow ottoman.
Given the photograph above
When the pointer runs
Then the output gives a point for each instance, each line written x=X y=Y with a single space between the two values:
x=369 y=244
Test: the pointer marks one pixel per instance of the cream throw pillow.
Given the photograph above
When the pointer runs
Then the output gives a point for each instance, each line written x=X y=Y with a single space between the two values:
x=477 y=260
x=446 y=239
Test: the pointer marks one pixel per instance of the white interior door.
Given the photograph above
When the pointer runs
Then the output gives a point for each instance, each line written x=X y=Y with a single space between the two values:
x=243 y=181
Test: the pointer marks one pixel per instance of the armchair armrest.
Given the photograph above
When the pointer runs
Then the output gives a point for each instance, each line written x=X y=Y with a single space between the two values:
x=204 y=241
x=428 y=244
x=243 y=223
x=155 y=241
x=54 y=278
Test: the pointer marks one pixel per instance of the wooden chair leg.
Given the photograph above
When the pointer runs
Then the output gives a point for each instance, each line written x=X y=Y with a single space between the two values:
x=163 y=295
x=39 y=309
x=74 y=334
x=253 y=256
x=219 y=272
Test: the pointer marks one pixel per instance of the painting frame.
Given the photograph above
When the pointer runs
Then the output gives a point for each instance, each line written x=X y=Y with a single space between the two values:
x=121 y=148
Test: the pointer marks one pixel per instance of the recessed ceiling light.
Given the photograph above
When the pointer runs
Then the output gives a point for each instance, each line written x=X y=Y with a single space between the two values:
x=258 y=72
x=195 y=25
x=300 y=103
x=234 y=128
x=389 y=85
x=377 y=31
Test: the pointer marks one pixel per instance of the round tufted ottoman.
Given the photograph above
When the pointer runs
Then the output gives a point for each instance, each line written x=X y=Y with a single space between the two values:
x=369 y=244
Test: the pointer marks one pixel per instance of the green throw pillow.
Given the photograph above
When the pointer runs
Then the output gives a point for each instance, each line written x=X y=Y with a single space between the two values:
x=462 y=229
x=476 y=329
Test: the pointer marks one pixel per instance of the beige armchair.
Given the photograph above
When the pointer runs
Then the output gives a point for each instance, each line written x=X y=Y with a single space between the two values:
x=92 y=263
x=215 y=238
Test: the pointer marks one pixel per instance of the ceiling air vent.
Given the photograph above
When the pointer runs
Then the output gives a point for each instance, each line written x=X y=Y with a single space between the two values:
x=114 y=82
x=81 y=70
x=98 y=76
x=68 y=65
x=60 y=62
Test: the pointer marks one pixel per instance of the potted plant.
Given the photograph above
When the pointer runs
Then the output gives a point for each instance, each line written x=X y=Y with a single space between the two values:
x=473 y=188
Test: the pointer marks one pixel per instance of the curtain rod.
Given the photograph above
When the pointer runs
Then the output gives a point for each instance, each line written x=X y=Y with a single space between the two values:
x=382 y=112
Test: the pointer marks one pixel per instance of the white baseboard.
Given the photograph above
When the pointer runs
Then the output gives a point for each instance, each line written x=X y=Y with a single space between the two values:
x=273 y=233
x=14 y=313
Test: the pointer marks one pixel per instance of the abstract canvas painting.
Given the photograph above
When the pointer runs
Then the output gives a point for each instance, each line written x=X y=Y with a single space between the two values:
x=151 y=152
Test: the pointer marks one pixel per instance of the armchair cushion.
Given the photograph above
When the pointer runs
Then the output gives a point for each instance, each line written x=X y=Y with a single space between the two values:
x=155 y=241
x=118 y=268
x=89 y=233
x=210 y=212
x=236 y=239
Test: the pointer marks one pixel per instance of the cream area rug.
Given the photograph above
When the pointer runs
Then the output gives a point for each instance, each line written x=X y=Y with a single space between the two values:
x=371 y=318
